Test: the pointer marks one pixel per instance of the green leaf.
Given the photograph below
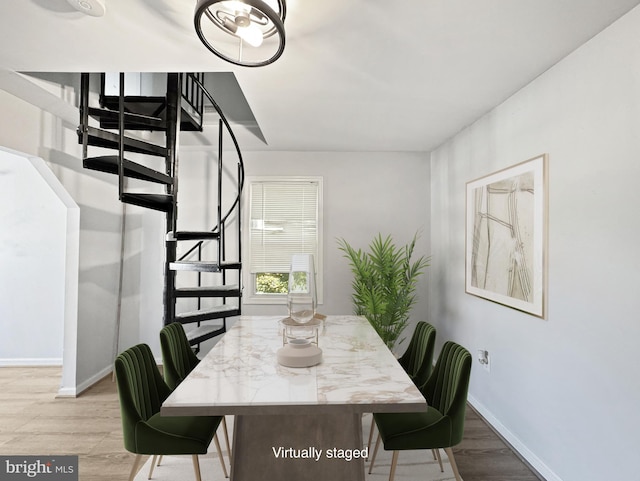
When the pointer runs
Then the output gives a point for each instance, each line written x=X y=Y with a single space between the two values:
x=384 y=283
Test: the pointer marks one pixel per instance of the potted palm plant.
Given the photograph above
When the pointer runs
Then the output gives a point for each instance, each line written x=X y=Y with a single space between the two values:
x=384 y=283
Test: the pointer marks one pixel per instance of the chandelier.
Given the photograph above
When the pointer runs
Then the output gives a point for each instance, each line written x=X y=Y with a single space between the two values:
x=243 y=32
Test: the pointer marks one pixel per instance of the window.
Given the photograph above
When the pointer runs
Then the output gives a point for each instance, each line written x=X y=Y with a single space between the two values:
x=284 y=219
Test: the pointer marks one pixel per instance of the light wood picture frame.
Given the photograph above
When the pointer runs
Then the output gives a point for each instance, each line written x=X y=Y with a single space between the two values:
x=506 y=236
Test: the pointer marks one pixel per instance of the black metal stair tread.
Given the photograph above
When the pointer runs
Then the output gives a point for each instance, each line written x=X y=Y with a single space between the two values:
x=161 y=202
x=225 y=308
x=152 y=101
x=193 y=235
x=230 y=290
x=203 y=266
x=113 y=116
x=109 y=164
x=144 y=105
x=111 y=140
x=202 y=333
x=216 y=312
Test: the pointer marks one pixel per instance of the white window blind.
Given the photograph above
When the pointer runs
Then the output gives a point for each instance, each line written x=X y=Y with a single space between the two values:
x=283 y=222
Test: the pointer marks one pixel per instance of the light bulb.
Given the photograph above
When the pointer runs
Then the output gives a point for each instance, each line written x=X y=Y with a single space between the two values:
x=251 y=34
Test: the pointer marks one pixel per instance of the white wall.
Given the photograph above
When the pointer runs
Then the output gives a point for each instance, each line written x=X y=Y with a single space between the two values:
x=37 y=293
x=364 y=194
x=143 y=280
x=40 y=133
x=563 y=390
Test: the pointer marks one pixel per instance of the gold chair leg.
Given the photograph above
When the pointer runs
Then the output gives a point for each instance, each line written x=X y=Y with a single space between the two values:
x=153 y=464
x=439 y=458
x=433 y=451
x=394 y=463
x=454 y=466
x=155 y=461
x=134 y=468
x=373 y=425
x=226 y=435
x=375 y=452
x=196 y=467
x=224 y=466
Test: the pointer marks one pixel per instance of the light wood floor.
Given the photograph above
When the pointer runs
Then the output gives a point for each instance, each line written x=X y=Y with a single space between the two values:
x=34 y=422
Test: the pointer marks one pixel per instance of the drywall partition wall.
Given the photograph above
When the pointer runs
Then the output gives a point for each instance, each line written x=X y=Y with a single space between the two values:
x=38 y=253
x=40 y=131
x=563 y=390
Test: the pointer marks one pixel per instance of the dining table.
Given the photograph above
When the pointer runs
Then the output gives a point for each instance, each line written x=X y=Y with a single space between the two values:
x=298 y=423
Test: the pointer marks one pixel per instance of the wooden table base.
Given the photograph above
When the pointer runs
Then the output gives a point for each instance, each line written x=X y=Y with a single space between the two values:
x=300 y=448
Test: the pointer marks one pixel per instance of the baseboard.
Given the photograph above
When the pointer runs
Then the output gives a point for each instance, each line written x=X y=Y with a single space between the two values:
x=83 y=386
x=536 y=464
x=66 y=392
x=25 y=362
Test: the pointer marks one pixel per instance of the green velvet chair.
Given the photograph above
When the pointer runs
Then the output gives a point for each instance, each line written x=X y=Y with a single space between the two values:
x=142 y=390
x=178 y=360
x=417 y=360
x=442 y=424
x=407 y=360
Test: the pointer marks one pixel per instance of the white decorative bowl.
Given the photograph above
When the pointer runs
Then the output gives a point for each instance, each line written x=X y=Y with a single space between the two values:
x=299 y=353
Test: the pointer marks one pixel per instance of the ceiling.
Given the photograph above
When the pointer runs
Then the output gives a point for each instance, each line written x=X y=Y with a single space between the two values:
x=356 y=75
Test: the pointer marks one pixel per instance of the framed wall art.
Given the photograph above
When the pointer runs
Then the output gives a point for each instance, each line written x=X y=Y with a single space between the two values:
x=506 y=236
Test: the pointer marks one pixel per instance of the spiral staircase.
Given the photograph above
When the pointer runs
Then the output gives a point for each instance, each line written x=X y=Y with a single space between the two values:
x=201 y=267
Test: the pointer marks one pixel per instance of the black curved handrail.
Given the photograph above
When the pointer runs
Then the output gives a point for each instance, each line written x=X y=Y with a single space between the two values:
x=236 y=201
x=233 y=138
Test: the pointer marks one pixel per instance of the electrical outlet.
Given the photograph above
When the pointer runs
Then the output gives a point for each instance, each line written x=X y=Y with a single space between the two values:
x=484 y=359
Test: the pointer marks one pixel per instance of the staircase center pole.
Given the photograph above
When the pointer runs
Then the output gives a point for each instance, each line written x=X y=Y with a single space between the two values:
x=173 y=100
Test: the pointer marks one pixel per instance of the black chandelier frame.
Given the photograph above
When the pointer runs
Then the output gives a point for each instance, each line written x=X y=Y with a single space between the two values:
x=205 y=12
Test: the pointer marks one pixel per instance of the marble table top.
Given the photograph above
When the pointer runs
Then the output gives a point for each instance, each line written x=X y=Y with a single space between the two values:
x=241 y=375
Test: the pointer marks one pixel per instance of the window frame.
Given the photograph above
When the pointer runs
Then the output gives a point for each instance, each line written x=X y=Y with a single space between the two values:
x=249 y=280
